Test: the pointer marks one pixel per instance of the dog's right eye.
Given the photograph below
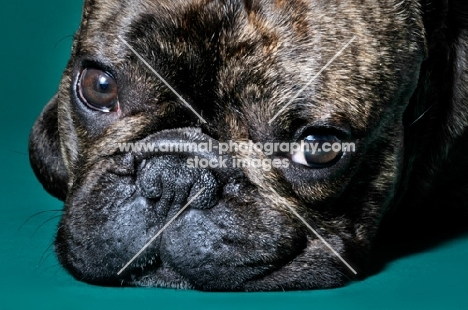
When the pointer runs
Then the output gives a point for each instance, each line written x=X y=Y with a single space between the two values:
x=319 y=151
x=98 y=90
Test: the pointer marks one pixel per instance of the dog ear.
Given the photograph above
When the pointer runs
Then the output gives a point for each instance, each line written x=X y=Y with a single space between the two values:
x=44 y=152
x=443 y=74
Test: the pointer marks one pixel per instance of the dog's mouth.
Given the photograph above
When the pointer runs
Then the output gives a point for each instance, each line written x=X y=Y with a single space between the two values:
x=147 y=218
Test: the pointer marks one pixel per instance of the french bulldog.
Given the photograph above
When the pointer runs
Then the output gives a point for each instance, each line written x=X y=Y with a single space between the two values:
x=388 y=77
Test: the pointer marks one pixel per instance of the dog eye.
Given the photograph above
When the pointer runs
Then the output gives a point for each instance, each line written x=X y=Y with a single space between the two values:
x=98 y=90
x=319 y=151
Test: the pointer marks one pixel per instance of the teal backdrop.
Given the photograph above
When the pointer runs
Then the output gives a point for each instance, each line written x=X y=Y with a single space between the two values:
x=35 y=38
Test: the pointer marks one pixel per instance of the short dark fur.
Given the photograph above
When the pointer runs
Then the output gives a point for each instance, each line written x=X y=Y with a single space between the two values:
x=399 y=92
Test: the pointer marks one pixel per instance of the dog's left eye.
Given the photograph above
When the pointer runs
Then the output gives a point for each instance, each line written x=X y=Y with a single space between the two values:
x=98 y=90
x=319 y=151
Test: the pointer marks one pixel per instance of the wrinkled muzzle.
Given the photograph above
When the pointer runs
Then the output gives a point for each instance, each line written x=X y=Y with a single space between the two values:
x=227 y=236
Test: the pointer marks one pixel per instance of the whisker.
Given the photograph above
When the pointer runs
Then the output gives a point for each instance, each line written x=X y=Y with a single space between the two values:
x=62 y=39
x=19 y=152
x=50 y=267
x=37 y=214
x=45 y=222
x=44 y=257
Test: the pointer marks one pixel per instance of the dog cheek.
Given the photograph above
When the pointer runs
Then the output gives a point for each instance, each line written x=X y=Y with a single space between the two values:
x=44 y=152
x=94 y=239
x=315 y=267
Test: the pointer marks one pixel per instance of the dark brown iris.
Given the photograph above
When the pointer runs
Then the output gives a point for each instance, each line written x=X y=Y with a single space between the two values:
x=98 y=90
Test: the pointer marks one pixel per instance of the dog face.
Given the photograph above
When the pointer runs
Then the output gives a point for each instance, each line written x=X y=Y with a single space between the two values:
x=255 y=72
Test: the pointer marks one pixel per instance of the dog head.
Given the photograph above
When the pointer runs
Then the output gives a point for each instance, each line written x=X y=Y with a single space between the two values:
x=239 y=72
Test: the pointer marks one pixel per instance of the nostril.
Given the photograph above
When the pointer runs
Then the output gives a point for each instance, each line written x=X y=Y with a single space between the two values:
x=210 y=195
x=151 y=186
x=150 y=183
x=169 y=180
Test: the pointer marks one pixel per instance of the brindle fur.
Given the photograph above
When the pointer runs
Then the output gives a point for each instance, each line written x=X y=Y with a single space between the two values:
x=400 y=90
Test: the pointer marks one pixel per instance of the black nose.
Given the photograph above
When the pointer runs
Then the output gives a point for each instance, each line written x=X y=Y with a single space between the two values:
x=170 y=180
x=169 y=176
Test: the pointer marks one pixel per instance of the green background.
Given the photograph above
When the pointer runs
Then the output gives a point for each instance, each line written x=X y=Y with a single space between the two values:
x=35 y=42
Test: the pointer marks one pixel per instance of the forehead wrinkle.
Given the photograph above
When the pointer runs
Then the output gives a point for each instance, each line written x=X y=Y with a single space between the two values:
x=352 y=21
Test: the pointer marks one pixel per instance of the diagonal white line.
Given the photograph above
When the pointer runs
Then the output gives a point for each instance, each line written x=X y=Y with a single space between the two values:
x=160 y=232
x=321 y=238
x=313 y=78
x=162 y=79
